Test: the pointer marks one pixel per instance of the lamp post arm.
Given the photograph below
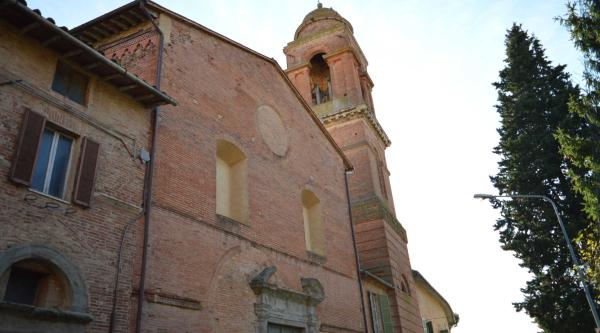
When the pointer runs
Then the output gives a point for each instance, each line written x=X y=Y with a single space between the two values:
x=580 y=273
x=578 y=267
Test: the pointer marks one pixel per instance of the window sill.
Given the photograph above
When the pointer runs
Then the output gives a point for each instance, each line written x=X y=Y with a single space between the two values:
x=48 y=196
x=228 y=223
x=315 y=257
x=67 y=101
x=48 y=314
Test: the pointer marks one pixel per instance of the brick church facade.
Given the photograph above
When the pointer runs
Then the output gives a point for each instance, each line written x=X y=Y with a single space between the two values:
x=244 y=198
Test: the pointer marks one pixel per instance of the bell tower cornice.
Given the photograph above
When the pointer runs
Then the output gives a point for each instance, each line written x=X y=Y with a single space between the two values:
x=355 y=113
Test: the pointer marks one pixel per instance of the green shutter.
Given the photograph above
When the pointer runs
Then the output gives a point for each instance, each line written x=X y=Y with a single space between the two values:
x=386 y=314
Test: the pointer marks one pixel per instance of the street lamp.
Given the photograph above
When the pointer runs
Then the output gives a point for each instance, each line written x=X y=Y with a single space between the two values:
x=588 y=296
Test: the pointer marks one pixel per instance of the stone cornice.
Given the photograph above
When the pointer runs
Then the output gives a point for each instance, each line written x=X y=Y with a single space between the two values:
x=357 y=112
x=303 y=65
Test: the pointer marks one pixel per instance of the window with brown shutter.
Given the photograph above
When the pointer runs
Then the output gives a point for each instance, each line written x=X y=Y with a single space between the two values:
x=27 y=148
x=86 y=173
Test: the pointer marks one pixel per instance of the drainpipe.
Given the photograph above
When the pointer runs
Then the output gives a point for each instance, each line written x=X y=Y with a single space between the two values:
x=357 y=261
x=113 y=312
x=148 y=201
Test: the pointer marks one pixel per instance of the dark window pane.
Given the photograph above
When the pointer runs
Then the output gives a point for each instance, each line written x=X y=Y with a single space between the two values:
x=39 y=174
x=77 y=87
x=60 y=82
x=429 y=327
x=59 y=169
x=274 y=328
x=22 y=286
x=70 y=83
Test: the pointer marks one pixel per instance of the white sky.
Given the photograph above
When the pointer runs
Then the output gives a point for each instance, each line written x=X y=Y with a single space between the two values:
x=432 y=62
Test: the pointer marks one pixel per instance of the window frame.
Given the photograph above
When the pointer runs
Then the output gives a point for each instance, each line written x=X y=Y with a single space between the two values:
x=380 y=312
x=34 y=276
x=51 y=160
x=429 y=327
x=68 y=70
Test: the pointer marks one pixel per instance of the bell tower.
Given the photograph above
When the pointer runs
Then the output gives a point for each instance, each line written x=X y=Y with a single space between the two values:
x=326 y=63
x=329 y=69
x=327 y=66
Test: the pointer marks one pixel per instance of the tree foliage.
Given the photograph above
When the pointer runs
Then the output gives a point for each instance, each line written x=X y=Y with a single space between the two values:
x=533 y=97
x=583 y=149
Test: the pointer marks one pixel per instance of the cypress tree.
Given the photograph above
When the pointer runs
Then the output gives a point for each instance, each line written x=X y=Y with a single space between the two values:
x=532 y=103
x=583 y=149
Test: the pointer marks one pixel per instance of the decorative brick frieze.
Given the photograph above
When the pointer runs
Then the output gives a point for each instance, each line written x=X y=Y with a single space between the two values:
x=373 y=208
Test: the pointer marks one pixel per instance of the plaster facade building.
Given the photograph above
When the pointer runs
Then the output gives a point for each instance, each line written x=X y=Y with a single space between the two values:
x=260 y=201
x=436 y=313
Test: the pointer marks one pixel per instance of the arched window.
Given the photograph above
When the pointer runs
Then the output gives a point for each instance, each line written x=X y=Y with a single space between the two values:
x=232 y=188
x=34 y=282
x=313 y=229
x=320 y=80
x=404 y=285
x=39 y=276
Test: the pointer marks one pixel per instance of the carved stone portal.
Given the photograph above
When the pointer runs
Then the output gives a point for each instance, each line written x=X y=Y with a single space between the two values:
x=286 y=307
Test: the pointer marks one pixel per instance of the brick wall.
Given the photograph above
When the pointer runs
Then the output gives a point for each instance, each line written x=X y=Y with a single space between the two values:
x=89 y=238
x=200 y=265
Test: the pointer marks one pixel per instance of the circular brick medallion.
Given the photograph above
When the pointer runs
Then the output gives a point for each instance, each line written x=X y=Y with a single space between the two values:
x=271 y=129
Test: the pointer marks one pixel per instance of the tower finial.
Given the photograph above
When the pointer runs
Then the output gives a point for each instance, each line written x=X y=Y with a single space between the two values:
x=319 y=4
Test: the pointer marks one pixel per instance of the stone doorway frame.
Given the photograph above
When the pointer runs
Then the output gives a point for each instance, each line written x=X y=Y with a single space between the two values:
x=284 y=306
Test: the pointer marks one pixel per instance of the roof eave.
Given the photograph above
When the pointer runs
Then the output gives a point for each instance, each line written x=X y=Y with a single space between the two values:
x=77 y=48
x=449 y=312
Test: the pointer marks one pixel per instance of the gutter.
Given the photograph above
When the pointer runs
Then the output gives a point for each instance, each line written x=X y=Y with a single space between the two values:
x=148 y=197
x=377 y=278
x=448 y=309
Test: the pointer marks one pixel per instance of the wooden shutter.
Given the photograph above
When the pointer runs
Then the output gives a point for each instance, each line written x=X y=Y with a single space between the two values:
x=386 y=314
x=27 y=148
x=86 y=173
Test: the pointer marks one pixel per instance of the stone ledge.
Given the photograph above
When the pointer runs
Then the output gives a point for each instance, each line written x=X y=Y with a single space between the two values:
x=45 y=314
x=116 y=202
x=316 y=258
x=152 y=296
x=337 y=329
x=228 y=223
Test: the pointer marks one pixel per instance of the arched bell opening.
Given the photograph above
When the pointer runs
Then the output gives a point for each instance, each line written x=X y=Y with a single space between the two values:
x=320 y=80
